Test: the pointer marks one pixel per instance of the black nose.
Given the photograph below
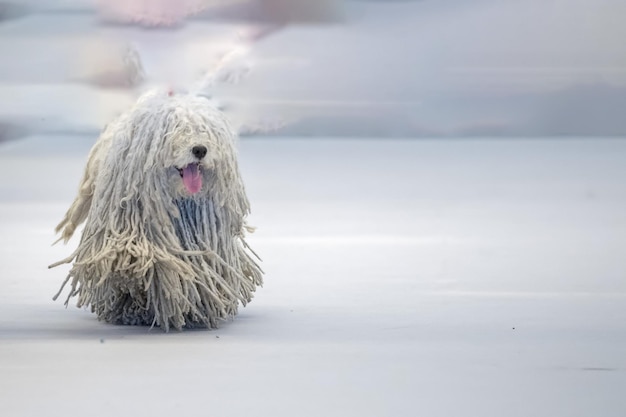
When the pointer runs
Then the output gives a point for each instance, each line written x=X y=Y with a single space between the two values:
x=199 y=151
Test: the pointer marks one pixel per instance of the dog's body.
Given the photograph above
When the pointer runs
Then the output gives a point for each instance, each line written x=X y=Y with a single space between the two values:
x=165 y=208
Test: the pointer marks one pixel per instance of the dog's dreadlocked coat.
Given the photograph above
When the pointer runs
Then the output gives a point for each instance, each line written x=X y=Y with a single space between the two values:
x=164 y=207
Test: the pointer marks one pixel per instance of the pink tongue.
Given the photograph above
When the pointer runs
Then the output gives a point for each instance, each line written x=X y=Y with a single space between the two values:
x=192 y=179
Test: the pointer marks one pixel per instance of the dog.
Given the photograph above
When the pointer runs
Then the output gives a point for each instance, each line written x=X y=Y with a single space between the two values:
x=164 y=208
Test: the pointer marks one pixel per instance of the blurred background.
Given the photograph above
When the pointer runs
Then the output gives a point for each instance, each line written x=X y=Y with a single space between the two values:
x=438 y=187
x=364 y=68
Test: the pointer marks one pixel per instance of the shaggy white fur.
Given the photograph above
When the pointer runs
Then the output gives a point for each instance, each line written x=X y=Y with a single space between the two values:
x=165 y=208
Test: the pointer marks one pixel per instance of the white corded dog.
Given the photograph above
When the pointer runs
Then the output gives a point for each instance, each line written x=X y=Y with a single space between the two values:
x=164 y=208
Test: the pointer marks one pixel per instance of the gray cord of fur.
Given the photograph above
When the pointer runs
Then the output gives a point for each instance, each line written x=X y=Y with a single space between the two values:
x=150 y=254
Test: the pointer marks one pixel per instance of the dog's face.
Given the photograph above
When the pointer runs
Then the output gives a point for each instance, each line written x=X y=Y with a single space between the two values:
x=191 y=158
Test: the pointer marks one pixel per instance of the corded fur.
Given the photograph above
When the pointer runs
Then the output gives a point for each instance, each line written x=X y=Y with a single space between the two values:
x=151 y=253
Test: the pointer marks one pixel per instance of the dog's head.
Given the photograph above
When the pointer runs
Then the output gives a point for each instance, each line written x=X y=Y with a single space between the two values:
x=185 y=138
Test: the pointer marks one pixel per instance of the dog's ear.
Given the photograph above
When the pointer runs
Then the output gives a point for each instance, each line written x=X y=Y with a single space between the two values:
x=78 y=211
x=233 y=193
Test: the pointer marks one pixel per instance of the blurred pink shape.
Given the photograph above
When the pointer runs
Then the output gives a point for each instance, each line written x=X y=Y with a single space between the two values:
x=109 y=64
x=151 y=12
x=173 y=12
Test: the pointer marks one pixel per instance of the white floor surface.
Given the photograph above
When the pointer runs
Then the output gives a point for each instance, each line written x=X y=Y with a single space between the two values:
x=403 y=278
